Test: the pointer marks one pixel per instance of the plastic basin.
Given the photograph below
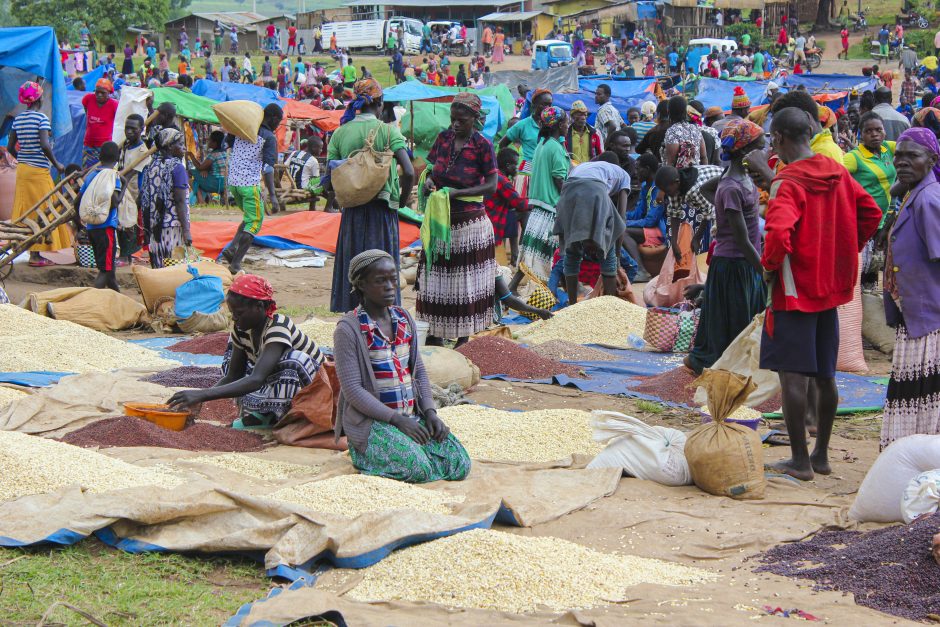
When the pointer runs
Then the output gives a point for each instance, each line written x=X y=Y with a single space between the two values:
x=159 y=415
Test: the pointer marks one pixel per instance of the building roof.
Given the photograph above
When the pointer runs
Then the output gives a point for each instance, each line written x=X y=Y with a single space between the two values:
x=547 y=2
x=286 y=16
x=238 y=18
x=518 y=16
x=430 y=3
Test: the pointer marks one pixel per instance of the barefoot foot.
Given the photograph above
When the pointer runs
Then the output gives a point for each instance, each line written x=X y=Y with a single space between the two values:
x=787 y=467
x=820 y=464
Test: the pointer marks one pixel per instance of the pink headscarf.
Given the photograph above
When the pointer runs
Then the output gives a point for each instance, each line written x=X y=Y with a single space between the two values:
x=30 y=92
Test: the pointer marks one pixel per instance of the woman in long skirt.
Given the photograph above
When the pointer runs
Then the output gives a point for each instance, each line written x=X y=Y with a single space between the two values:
x=735 y=290
x=912 y=292
x=458 y=271
x=373 y=225
x=164 y=195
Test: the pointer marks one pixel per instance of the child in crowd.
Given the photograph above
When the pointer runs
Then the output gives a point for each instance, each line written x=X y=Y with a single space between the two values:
x=99 y=197
x=503 y=205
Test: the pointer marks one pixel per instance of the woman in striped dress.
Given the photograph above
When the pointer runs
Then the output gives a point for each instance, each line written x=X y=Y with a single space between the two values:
x=164 y=197
x=268 y=361
x=455 y=290
x=31 y=143
x=549 y=171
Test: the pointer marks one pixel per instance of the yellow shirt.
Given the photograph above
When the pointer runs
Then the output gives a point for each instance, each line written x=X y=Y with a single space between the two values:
x=580 y=145
x=930 y=63
x=824 y=144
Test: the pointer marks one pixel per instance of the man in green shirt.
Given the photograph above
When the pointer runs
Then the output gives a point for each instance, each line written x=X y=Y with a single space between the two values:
x=745 y=40
x=349 y=74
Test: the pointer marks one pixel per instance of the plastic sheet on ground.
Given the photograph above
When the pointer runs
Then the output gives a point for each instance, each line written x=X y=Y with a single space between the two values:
x=613 y=377
x=220 y=511
x=160 y=344
x=642 y=518
x=34 y=378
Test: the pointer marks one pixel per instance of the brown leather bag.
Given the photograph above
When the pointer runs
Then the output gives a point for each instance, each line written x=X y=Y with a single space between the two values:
x=309 y=423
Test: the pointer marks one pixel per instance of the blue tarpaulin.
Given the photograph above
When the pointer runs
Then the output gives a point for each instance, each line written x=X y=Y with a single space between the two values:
x=619 y=87
x=830 y=82
x=91 y=78
x=68 y=147
x=622 y=104
x=414 y=90
x=25 y=54
x=714 y=92
x=224 y=92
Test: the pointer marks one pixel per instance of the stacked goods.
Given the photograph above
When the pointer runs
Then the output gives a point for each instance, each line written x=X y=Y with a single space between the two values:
x=187 y=377
x=563 y=350
x=320 y=331
x=353 y=495
x=34 y=465
x=8 y=395
x=890 y=570
x=210 y=344
x=256 y=467
x=545 y=435
x=494 y=570
x=161 y=283
x=32 y=342
x=496 y=355
x=606 y=320
x=128 y=431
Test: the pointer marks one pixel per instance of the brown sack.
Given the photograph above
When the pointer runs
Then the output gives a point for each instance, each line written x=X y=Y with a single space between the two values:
x=241 y=118
x=624 y=289
x=101 y=310
x=726 y=459
x=310 y=421
x=162 y=282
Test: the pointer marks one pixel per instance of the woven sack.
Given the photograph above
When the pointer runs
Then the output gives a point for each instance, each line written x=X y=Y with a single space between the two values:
x=688 y=327
x=156 y=283
x=540 y=297
x=662 y=328
x=361 y=177
x=851 y=355
x=241 y=118
x=95 y=206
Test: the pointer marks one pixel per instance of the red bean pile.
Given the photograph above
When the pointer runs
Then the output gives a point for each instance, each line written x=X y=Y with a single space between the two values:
x=496 y=355
x=223 y=411
x=890 y=569
x=128 y=431
x=211 y=344
x=187 y=377
x=671 y=386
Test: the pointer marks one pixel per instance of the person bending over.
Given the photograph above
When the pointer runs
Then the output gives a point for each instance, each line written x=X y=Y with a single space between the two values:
x=386 y=409
x=268 y=361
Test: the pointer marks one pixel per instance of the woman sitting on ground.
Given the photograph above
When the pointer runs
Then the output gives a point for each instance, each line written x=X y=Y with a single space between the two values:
x=268 y=361
x=209 y=174
x=386 y=409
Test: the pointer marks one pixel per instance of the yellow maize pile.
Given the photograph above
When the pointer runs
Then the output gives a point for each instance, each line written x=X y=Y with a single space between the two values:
x=256 y=467
x=320 y=331
x=353 y=495
x=35 y=465
x=741 y=413
x=605 y=320
x=544 y=435
x=494 y=570
x=32 y=342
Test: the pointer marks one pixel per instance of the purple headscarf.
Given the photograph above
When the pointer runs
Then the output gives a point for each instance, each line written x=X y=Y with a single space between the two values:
x=925 y=138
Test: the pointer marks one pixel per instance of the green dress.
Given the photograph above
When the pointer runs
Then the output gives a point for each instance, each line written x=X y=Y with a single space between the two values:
x=538 y=241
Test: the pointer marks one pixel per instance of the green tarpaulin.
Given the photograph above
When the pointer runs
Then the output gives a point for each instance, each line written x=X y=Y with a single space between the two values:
x=188 y=105
x=430 y=118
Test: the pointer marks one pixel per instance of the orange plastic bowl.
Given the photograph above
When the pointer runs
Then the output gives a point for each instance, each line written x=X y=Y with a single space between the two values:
x=159 y=415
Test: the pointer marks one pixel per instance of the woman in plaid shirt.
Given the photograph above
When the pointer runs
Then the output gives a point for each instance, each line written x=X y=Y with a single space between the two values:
x=503 y=204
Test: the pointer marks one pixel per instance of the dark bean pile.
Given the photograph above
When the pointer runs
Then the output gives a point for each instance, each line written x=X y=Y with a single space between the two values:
x=890 y=569
x=496 y=355
x=672 y=386
x=128 y=431
x=223 y=411
x=187 y=377
x=569 y=351
x=210 y=344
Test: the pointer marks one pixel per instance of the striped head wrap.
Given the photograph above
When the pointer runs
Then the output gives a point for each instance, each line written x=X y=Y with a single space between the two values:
x=365 y=91
x=361 y=262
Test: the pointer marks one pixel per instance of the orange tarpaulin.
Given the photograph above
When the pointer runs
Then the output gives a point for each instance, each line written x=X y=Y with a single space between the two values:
x=295 y=110
x=313 y=228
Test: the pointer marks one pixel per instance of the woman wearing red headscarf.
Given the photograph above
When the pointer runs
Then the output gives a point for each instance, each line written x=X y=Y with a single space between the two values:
x=100 y=110
x=268 y=361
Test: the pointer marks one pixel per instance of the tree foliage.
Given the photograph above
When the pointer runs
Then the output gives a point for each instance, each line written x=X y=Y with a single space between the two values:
x=734 y=31
x=107 y=20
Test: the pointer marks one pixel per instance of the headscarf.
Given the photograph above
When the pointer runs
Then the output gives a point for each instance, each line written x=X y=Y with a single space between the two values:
x=827 y=117
x=30 y=92
x=365 y=91
x=552 y=117
x=363 y=260
x=841 y=113
x=473 y=103
x=539 y=92
x=648 y=110
x=167 y=137
x=257 y=288
x=926 y=138
x=935 y=103
x=921 y=116
x=105 y=84
x=737 y=134
x=578 y=106
x=713 y=112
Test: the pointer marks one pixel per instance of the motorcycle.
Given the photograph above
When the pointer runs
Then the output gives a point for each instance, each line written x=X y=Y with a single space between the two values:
x=861 y=22
x=914 y=20
x=456 y=48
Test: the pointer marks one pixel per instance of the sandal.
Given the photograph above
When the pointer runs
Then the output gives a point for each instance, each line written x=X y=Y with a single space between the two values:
x=42 y=262
x=265 y=421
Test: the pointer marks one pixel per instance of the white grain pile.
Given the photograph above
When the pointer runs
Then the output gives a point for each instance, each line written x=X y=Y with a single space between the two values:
x=35 y=465
x=353 y=495
x=29 y=341
x=741 y=413
x=605 y=320
x=8 y=395
x=320 y=331
x=486 y=569
x=256 y=467
x=544 y=435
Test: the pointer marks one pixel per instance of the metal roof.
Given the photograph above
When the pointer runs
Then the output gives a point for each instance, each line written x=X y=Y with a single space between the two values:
x=519 y=16
x=430 y=3
x=238 y=18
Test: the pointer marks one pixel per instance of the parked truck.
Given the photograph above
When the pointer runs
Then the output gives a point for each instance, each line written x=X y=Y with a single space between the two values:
x=372 y=35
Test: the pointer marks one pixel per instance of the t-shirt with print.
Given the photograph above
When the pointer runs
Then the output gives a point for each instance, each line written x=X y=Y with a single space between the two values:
x=279 y=329
x=27 y=126
x=99 y=120
x=741 y=196
x=248 y=159
x=112 y=221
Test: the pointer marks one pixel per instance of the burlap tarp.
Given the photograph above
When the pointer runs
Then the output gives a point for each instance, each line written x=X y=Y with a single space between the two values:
x=217 y=510
x=679 y=524
x=102 y=310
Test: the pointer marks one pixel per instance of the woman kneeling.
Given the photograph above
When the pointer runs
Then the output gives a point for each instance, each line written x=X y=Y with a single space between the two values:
x=268 y=361
x=385 y=407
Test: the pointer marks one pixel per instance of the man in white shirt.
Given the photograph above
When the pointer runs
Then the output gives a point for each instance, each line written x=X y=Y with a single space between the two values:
x=608 y=118
x=799 y=53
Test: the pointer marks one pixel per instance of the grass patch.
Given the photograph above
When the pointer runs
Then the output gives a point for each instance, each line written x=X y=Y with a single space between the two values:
x=650 y=407
x=301 y=312
x=119 y=588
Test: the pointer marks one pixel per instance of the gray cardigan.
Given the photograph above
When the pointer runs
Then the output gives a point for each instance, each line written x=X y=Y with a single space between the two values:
x=359 y=402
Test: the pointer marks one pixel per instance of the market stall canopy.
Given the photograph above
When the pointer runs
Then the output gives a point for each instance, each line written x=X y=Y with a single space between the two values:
x=188 y=105
x=519 y=16
x=28 y=54
x=619 y=87
x=412 y=91
x=322 y=119
x=714 y=92
x=68 y=147
x=224 y=92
